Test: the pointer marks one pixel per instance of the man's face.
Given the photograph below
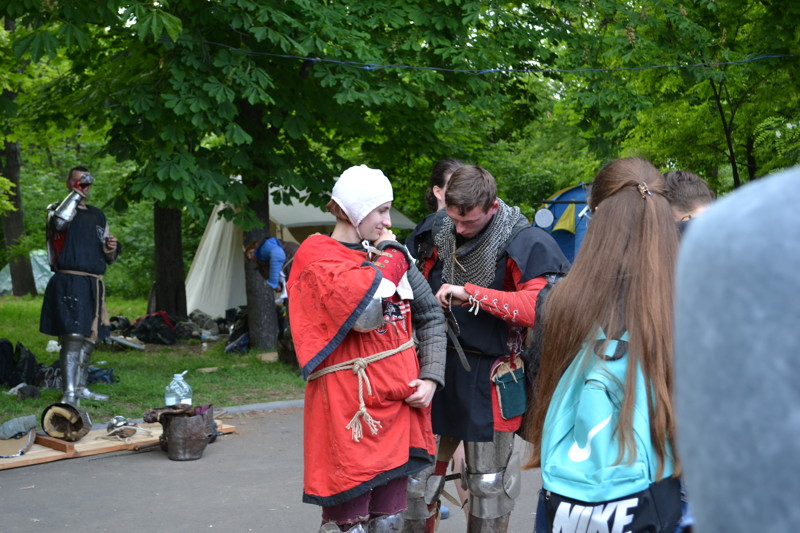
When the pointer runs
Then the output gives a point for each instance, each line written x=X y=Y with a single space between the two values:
x=473 y=221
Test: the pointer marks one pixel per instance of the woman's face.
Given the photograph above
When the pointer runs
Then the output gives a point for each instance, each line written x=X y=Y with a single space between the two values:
x=373 y=224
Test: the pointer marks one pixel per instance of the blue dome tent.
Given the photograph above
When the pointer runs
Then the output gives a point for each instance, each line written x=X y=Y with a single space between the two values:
x=570 y=218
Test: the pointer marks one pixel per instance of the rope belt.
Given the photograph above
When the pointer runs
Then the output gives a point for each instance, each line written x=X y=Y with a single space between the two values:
x=359 y=368
x=100 y=310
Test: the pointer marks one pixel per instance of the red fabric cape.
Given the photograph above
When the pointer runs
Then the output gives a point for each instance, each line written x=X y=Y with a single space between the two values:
x=327 y=299
x=328 y=286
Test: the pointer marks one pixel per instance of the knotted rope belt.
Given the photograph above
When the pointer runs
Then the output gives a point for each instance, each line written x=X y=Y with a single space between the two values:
x=100 y=311
x=359 y=368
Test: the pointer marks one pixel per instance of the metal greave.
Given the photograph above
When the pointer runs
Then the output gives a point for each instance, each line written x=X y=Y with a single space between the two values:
x=86 y=357
x=493 y=483
x=69 y=359
x=74 y=358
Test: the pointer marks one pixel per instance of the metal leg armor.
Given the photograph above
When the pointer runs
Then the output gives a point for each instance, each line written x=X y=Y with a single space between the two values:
x=86 y=356
x=76 y=353
x=69 y=359
x=493 y=481
x=391 y=523
x=423 y=493
x=333 y=527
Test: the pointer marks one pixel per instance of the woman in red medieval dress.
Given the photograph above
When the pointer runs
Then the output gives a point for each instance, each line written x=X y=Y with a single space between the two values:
x=354 y=302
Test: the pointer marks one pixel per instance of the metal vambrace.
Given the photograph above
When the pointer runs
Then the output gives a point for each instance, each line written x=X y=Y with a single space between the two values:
x=65 y=212
x=494 y=479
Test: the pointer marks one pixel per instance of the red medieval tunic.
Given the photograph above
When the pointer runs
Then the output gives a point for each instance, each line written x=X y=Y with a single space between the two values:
x=329 y=287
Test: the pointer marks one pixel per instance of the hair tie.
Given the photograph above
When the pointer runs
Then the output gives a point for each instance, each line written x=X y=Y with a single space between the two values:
x=643 y=190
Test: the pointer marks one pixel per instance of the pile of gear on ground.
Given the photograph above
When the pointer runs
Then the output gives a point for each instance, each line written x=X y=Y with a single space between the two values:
x=186 y=429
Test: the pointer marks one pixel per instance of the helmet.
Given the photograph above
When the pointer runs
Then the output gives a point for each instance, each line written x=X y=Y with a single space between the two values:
x=66 y=422
x=121 y=427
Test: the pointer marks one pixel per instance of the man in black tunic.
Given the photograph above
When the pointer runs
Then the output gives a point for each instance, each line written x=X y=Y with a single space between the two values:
x=79 y=248
x=487 y=268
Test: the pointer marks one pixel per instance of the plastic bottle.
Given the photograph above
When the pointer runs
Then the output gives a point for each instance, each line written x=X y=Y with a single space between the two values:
x=178 y=391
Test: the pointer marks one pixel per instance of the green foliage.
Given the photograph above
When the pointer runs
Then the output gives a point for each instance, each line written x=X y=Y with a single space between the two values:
x=547 y=156
x=190 y=111
x=659 y=111
x=780 y=138
x=143 y=375
x=165 y=101
x=5 y=189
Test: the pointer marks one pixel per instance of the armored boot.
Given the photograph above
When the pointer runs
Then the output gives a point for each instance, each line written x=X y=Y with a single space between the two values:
x=333 y=527
x=85 y=356
x=390 y=523
x=69 y=359
x=476 y=524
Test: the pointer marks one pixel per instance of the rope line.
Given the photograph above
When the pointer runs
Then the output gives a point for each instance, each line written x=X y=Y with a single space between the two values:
x=480 y=72
x=359 y=367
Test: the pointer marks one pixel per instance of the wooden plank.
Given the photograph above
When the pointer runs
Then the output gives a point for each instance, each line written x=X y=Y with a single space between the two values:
x=47 y=449
x=56 y=444
x=38 y=454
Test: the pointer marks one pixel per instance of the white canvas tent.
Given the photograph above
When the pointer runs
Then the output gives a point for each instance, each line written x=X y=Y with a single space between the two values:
x=41 y=273
x=215 y=282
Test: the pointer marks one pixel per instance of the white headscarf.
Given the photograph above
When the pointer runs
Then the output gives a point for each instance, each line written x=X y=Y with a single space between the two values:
x=359 y=190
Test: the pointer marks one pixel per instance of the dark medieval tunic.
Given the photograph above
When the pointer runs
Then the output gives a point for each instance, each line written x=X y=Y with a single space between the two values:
x=72 y=302
x=464 y=408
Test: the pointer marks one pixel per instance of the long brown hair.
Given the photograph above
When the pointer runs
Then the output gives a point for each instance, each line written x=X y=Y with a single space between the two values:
x=622 y=280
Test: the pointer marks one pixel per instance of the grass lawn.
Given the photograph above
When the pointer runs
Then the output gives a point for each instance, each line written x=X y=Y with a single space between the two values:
x=216 y=378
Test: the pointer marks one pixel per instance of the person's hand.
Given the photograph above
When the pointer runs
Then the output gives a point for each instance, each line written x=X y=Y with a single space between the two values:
x=451 y=295
x=423 y=394
x=111 y=243
x=386 y=235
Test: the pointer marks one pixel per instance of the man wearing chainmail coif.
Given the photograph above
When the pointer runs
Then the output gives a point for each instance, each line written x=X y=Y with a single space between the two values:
x=487 y=268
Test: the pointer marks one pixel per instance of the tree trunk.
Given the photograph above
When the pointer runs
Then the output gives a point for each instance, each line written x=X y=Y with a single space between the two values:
x=752 y=166
x=262 y=316
x=22 y=281
x=170 y=291
x=727 y=129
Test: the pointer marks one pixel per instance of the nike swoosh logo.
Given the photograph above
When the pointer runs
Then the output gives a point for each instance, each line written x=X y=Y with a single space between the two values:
x=579 y=454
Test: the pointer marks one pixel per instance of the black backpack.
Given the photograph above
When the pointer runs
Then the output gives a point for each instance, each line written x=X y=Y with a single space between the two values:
x=17 y=365
x=7 y=366
x=27 y=367
x=155 y=328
